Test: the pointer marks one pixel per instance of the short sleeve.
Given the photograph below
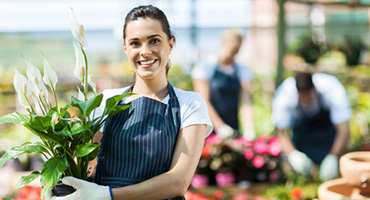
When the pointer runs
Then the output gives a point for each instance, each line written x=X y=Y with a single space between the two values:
x=284 y=104
x=203 y=70
x=245 y=75
x=194 y=111
x=334 y=96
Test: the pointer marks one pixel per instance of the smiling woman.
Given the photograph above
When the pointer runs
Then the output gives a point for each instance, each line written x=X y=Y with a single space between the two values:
x=150 y=150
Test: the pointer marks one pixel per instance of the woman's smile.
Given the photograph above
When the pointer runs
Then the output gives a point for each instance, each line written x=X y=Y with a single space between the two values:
x=147 y=63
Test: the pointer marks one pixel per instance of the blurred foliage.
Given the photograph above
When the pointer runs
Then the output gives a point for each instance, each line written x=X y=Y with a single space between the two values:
x=179 y=79
x=352 y=47
x=261 y=103
x=309 y=48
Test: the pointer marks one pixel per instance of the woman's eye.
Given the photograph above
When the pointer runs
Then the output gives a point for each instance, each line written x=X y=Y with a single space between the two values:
x=134 y=44
x=154 y=41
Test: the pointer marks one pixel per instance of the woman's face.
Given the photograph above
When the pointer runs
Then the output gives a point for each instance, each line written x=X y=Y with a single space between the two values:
x=147 y=48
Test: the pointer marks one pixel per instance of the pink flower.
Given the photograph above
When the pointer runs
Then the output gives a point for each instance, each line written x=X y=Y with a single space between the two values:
x=273 y=139
x=260 y=146
x=241 y=196
x=213 y=139
x=224 y=179
x=258 y=161
x=274 y=176
x=237 y=143
x=199 y=181
x=248 y=154
x=275 y=149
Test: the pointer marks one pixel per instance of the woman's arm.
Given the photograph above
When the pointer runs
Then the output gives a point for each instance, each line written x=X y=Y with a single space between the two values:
x=93 y=163
x=203 y=88
x=176 y=181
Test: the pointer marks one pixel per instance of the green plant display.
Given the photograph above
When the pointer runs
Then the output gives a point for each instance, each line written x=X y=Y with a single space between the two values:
x=352 y=46
x=66 y=138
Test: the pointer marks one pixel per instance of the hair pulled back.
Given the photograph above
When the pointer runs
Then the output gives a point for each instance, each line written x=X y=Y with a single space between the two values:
x=148 y=11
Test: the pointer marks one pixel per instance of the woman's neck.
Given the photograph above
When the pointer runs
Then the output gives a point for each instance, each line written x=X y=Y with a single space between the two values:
x=225 y=60
x=156 y=89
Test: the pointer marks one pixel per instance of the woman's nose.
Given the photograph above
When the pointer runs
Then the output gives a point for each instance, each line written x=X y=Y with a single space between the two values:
x=145 y=50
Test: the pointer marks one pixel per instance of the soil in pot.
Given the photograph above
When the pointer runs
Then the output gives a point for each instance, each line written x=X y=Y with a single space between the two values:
x=60 y=189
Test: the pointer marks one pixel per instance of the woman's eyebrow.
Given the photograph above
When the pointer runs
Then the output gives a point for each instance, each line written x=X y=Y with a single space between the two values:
x=150 y=36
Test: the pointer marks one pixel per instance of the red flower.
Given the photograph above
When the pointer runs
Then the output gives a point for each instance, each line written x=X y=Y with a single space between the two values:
x=29 y=193
x=218 y=194
x=296 y=193
x=206 y=150
x=258 y=161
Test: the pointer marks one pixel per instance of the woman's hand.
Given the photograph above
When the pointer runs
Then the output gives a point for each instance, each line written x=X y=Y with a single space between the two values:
x=84 y=190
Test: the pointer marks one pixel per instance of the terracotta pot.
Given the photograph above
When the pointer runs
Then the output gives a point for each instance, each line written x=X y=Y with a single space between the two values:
x=338 y=189
x=61 y=189
x=355 y=170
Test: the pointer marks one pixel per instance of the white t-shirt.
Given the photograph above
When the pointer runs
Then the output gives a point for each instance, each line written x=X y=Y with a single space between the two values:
x=193 y=108
x=332 y=93
x=205 y=69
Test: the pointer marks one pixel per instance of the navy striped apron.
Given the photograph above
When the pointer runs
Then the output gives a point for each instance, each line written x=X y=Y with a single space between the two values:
x=224 y=91
x=139 y=142
x=314 y=135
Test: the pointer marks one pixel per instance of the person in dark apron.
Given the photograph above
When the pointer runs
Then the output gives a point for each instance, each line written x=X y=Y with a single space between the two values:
x=315 y=139
x=145 y=152
x=227 y=96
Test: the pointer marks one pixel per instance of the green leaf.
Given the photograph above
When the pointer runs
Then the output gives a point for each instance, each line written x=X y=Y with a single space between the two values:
x=87 y=106
x=110 y=106
x=85 y=149
x=93 y=154
x=117 y=109
x=78 y=128
x=14 y=118
x=50 y=137
x=64 y=113
x=53 y=170
x=25 y=148
x=41 y=123
x=25 y=180
x=64 y=132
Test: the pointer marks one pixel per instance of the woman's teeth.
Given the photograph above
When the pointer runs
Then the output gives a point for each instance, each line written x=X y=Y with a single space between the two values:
x=147 y=62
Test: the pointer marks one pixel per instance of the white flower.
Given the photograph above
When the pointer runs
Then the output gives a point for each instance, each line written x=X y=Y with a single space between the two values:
x=50 y=77
x=81 y=95
x=21 y=86
x=92 y=83
x=34 y=76
x=80 y=69
x=77 y=30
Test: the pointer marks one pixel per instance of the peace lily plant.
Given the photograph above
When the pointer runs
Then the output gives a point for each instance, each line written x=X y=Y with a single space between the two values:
x=65 y=141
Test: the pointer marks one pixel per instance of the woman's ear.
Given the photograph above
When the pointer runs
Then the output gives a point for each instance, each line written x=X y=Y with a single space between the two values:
x=124 y=46
x=171 y=43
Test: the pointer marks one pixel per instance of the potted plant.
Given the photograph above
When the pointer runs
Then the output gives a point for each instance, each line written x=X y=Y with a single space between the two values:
x=65 y=140
x=309 y=48
x=352 y=47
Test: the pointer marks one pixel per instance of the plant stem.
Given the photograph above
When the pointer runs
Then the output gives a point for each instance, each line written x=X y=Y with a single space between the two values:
x=55 y=97
x=86 y=73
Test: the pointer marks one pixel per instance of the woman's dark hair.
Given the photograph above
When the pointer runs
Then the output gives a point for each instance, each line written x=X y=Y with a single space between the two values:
x=304 y=81
x=151 y=12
